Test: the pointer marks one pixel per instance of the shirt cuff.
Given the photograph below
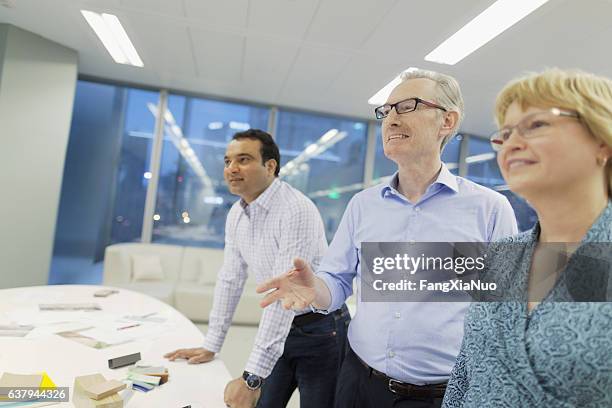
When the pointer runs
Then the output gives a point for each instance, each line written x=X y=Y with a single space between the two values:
x=261 y=364
x=320 y=311
x=337 y=294
x=212 y=344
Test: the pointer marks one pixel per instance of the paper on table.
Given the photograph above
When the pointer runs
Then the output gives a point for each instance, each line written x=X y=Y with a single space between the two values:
x=32 y=316
x=108 y=336
x=48 y=330
x=90 y=306
x=34 y=295
x=27 y=404
x=149 y=330
x=14 y=330
x=62 y=326
x=10 y=380
x=153 y=317
x=78 y=337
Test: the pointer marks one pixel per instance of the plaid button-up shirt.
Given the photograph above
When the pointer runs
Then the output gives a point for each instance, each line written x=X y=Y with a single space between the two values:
x=263 y=238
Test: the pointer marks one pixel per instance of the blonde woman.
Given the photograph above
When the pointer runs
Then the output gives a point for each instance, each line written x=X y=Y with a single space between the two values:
x=552 y=347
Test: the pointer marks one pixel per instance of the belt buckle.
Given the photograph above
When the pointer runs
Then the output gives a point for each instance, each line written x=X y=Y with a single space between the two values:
x=390 y=385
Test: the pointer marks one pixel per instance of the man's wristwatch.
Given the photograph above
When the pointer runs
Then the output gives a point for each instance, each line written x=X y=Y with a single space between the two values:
x=252 y=381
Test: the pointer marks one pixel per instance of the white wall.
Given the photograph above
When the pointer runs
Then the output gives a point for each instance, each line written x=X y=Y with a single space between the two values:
x=37 y=85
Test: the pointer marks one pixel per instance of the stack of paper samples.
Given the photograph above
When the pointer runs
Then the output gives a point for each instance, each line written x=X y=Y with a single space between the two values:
x=145 y=378
x=22 y=382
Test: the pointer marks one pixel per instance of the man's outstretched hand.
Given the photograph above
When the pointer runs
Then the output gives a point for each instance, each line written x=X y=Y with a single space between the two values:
x=295 y=288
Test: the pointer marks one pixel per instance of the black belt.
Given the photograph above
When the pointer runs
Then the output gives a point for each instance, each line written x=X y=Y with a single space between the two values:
x=405 y=389
x=311 y=317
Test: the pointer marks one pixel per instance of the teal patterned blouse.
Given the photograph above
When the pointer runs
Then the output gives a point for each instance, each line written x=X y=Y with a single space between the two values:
x=558 y=355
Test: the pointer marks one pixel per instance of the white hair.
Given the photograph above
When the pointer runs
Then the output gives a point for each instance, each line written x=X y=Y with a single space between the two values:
x=448 y=94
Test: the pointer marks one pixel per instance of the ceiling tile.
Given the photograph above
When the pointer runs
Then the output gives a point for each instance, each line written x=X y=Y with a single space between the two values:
x=221 y=13
x=413 y=29
x=218 y=55
x=169 y=7
x=267 y=62
x=99 y=4
x=284 y=18
x=318 y=68
x=361 y=78
x=166 y=46
x=346 y=23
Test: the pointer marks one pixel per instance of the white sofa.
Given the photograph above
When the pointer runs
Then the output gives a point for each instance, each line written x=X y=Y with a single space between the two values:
x=189 y=276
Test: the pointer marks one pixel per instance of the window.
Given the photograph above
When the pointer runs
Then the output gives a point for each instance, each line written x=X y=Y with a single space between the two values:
x=331 y=205
x=482 y=168
x=323 y=156
x=133 y=172
x=192 y=198
x=526 y=217
x=104 y=182
x=482 y=163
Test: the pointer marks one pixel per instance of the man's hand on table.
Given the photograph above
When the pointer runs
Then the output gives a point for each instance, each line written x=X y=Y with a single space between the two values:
x=192 y=355
x=238 y=395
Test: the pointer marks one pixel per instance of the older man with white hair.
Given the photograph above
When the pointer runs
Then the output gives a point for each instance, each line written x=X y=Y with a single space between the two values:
x=401 y=353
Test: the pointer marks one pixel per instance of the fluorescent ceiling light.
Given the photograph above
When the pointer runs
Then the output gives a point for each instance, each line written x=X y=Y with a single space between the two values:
x=330 y=138
x=500 y=16
x=213 y=200
x=480 y=158
x=381 y=96
x=177 y=129
x=184 y=147
x=239 y=125
x=169 y=118
x=312 y=148
x=109 y=30
x=328 y=135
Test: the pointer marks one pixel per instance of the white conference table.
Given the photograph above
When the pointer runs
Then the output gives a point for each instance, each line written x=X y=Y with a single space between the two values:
x=199 y=385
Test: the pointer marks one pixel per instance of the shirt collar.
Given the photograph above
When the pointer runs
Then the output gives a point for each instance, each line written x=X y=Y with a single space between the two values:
x=445 y=178
x=265 y=199
x=600 y=231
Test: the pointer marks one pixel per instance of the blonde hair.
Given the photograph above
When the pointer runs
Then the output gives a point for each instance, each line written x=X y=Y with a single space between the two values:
x=587 y=94
x=448 y=94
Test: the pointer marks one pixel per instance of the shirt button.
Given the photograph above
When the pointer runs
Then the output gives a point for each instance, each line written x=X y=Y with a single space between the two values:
x=391 y=354
x=398 y=315
x=417 y=209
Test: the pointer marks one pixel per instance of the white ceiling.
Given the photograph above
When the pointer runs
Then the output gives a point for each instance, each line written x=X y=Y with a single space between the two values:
x=321 y=55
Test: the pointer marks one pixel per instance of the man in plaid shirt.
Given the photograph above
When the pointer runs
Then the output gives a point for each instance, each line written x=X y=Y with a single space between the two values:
x=269 y=226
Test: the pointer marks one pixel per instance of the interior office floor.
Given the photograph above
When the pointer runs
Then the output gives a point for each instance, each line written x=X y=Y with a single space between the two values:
x=236 y=350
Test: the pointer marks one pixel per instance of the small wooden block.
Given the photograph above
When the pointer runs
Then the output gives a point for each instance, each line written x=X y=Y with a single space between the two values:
x=81 y=400
x=103 y=390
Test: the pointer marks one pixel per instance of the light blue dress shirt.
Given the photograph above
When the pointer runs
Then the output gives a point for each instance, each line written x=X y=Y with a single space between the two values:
x=411 y=342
